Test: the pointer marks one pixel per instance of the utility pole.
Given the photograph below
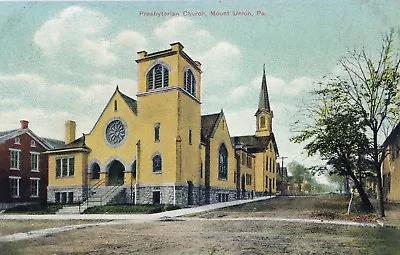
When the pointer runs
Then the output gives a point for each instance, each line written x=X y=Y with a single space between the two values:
x=282 y=178
x=282 y=158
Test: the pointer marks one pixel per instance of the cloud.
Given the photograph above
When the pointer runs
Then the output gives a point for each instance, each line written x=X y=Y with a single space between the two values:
x=30 y=92
x=131 y=40
x=184 y=30
x=97 y=52
x=221 y=66
x=71 y=26
x=78 y=33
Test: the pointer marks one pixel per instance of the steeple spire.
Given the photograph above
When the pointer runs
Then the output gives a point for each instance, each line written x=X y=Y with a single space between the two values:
x=263 y=103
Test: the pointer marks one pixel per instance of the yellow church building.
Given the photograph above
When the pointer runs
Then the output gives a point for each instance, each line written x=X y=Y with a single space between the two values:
x=159 y=149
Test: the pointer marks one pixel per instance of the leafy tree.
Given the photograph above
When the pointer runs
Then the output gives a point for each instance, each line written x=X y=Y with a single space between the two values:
x=340 y=180
x=362 y=103
x=302 y=176
x=338 y=136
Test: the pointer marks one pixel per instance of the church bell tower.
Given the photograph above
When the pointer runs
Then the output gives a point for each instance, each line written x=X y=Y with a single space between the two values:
x=264 y=113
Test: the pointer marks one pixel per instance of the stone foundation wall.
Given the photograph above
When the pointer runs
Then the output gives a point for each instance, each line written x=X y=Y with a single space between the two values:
x=167 y=193
x=77 y=192
x=145 y=194
x=218 y=195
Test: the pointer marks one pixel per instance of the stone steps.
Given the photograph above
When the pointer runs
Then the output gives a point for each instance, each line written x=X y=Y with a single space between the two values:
x=97 y=199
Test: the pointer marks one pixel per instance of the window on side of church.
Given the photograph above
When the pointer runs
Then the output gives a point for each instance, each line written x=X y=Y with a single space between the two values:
x=133 y=169
x=190 y=136
x=223 y=163
x=157 y=132
x=115 y=105
x=95 y=171
x=157 y=77
x=157 y=164
x=189 y=82
x=65 y=167
x=262 y=122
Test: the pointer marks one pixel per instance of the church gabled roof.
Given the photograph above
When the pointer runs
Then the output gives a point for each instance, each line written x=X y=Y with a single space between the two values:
x=208 y=124
x=132 y=103
x=263 y=102
x=255 y=143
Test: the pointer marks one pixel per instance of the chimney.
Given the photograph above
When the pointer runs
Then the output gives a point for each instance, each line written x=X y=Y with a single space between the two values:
x=24 y=124
x=70 y=128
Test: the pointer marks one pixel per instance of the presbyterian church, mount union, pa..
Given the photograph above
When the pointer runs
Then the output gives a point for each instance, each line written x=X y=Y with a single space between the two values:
x=159 y=149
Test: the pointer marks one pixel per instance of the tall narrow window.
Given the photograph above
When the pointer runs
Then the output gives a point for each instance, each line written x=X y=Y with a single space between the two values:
x=35 y=187
x=190 y=136
x=35 y=162
x=157 y=132
x=157 y=77
x=134 y=169
x=14 y=186
x=223 y=162
x=190 y=82
x=95 y=171
x=15 y=156
x=115 y=105
x=201 y=170
x=157 y=164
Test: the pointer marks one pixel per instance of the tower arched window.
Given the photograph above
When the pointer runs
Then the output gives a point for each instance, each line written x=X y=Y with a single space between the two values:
x=157 y=77
x=223 y=162
x=190 y=82
x=157 y=164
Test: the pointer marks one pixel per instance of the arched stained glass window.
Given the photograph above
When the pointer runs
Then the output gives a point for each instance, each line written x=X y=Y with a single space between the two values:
x=223 y=162
x=157 y=164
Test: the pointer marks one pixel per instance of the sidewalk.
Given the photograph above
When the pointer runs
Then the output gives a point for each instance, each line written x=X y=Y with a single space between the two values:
x=116 y=219
x=146 y=217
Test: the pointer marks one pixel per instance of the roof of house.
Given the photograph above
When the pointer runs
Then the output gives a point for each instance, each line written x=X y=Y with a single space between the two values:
x=46 y=142
x=55 y=143
x=76 y=144
x=4 y=133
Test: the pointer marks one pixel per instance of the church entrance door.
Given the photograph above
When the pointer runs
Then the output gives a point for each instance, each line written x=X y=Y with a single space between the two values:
x=116 y=173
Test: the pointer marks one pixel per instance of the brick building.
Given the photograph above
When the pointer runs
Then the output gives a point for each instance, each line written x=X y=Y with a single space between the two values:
x=23 y=167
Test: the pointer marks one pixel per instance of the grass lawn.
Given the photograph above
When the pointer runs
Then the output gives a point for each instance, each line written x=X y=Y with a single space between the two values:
x=333 y=207
x=35 y=209
x=130 y=209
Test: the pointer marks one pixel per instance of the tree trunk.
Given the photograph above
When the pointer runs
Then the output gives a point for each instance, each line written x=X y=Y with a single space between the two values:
x=377 y=167
x=368 y=207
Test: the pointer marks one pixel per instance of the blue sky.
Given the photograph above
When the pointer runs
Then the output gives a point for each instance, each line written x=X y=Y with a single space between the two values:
x=62 y=60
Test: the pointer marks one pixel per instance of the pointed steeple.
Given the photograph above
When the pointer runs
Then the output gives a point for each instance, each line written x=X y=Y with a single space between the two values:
x=263 y=103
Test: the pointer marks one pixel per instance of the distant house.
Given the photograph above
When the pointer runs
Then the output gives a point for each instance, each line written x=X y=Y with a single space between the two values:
x=391 y=166
x=23 y=168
